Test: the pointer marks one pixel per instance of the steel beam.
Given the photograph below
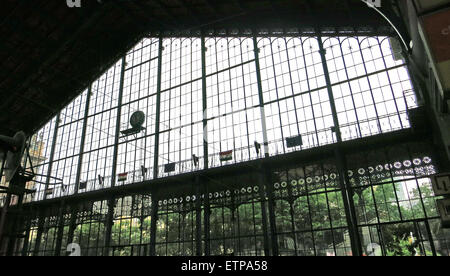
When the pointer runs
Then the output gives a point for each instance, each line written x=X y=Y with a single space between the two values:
x=4 y=209
x=83 y=139
x=72 y=223
x=27 y=237
x=204 y=104
x=60 y=233
x=341 y=162
x=206 y=219
x=260 y=95
x=264 y=219
x=158 y=109
x=153 y=223
x=271 y=208
x=52 y=153
x=4 y=213
x=109 y=225
x=264 y=186
x=13 y=232
x=40 y=229
x=118 y=120
x=198 y=216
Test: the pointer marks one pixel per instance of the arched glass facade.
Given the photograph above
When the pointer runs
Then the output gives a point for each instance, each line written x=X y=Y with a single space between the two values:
x=209 y=102
x=223 y=106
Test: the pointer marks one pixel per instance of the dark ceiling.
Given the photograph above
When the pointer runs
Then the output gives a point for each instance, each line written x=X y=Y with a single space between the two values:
x=49 y=53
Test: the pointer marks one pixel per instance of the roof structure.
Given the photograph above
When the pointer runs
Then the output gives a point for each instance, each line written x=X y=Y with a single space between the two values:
x=50 y=52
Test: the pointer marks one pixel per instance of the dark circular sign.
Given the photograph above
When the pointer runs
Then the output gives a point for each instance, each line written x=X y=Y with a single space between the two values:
x=137 y=119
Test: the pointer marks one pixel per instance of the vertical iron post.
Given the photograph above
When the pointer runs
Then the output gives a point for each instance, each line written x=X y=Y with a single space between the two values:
x=118 y=121
x=52 y=154
x=158 y=109
x=346 y=188
x=153 y=223
x=83 y=139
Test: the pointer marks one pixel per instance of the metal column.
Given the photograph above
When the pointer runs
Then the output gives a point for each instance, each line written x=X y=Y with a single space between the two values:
x=206 y=219
x=260 y=94
x=5 y=205
x=109 y=225
x=13 y=233
x=265 y=191
x=263 y=198
x=3 y=221
x=158 y=109
x=52 y=153
x=72 y=224
x=83 y=139
x=206 y=208
x=60 y=234
x=204 y=104
x=27 y=236
x=346 y=189
x=153 y=223
x=119 y=113
x=198 y=217
x=271 y=206
x=41 y=223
